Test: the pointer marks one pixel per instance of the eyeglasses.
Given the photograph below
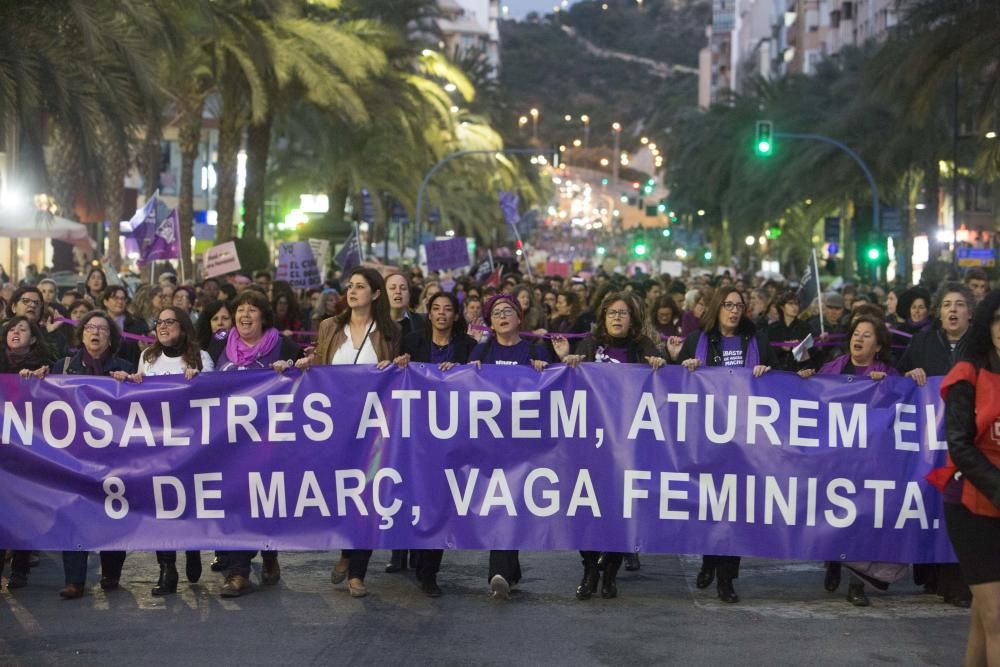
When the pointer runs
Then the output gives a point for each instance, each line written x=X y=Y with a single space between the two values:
x=96 y=328
x=504 y=312
x=30 y=302
x=732 y=307
x=169 y=322
x=618 y=313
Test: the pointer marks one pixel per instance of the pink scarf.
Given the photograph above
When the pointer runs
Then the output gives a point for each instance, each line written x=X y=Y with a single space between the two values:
x=242 y=354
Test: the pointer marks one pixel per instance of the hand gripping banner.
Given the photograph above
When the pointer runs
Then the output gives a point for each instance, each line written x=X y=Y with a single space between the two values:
x=606 y=457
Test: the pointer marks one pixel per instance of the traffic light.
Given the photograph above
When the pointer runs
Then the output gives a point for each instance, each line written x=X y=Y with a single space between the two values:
x=604 y=181
x=639 y=249
x=874 y=254
x=764 y=140
x=666 y=232
x=708 y=255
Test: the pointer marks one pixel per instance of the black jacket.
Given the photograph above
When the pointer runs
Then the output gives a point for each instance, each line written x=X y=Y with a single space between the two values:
x=779 y=332
x=418 y=346
x=74 y=365
x=764 y=348
x=414 y=322
x=960 y=429
x=931 y=351
x=636 y=350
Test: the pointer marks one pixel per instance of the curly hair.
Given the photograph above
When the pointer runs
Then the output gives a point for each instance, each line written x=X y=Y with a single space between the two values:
x=635 y=314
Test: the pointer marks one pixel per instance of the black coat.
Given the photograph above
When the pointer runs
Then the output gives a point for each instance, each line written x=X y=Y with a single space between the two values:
x=931 y=351
x=418 y=345
x=779 y=332
x=414 y=322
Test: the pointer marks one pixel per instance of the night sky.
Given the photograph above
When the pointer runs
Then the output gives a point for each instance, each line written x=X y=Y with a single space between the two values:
x=519 y=8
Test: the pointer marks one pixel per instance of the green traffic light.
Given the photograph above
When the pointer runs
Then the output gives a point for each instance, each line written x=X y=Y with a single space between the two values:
x=661 y=208
x=764 y=147
x=666 y=232
x=640 y=249
x=874 y=254
x=601 y=250
x=708 y=255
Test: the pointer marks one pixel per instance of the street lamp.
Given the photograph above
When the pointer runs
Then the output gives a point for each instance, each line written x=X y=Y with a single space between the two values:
x=585 y=119
x=534 y=122
x=616 y=129
x=568 y=118
x=521 y=122
x=750 y=240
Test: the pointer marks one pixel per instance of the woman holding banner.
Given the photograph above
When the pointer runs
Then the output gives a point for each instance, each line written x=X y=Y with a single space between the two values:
x=23 y=351
x=868 y=355
x=99 y=337
x=444 y=343
x=175 y=352
x=971 y=480
x=362 y=334
x=252 y=344
x=506 y=347
x=619 y=339
x=728 y=338
x=934 y=352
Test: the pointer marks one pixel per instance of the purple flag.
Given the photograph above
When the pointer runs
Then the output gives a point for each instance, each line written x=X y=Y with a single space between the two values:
x=156 y=237
x=350 y=255
x=508 y=204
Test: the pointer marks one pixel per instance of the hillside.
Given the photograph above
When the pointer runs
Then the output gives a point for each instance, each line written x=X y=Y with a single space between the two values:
x=617 y=64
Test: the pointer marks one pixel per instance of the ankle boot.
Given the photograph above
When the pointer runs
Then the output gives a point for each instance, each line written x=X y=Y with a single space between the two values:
x=726 y=591
x=192 y=566
x=632 y=563
x=588 y=585
x=609 y=587
x=167 y=585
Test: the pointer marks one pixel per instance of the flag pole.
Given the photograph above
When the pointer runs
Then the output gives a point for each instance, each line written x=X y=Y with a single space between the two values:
x=357 y=239
x=819 y=293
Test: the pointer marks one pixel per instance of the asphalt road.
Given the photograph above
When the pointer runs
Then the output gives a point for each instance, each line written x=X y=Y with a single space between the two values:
x=785 y=618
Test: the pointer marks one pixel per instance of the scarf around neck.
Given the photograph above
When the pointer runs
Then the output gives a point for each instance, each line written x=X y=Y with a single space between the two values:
x=242 y=354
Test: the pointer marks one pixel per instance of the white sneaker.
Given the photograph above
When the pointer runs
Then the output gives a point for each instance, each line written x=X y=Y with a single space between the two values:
x=499 y=588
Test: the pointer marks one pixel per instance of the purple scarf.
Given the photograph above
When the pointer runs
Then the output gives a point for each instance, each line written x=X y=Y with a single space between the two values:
x=243 y=355
x=753 y=354
x=836 y=367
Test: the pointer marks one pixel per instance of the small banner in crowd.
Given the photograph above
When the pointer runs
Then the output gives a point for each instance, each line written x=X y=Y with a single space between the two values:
x=297 y=266
x=321 y=253
x=606 y=457
x=221 y=259
x=447 y=254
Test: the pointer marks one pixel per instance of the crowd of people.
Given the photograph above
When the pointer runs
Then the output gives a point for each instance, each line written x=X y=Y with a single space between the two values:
x=383 y=316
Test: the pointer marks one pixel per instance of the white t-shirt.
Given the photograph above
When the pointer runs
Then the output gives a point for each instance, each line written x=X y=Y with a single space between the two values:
x=346 y=353
x=165 y=365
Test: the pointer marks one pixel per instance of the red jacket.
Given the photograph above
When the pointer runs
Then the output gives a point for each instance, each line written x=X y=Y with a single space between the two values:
x=987 y=437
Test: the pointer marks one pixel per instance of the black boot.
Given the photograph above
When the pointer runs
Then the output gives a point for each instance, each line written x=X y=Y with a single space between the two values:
x=706 y=575
x=167 y=585
x=192 y=566
x=632 y=562
x=588 y=585
x=397 y=563
x=220 y=564
x=609 y=586
x=856 y=595
x=831 y=582
x=726 y=591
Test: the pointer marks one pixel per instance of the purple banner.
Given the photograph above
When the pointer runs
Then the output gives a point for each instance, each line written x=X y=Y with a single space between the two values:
x=601 y=457
x=447 y=254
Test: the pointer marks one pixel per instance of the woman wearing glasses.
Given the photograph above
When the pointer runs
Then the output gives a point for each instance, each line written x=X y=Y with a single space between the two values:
x=619 y=339
x=364 y=333
x=506 y=347
x=99 y=337
x=728 y=338
x=175 y=352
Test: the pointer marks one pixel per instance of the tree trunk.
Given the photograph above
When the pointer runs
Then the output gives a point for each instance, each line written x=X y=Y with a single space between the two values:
x=190 y=141
x=117 y=164
x=726 y=239
x=152 y=158
x=258 y=147
x=230 y=136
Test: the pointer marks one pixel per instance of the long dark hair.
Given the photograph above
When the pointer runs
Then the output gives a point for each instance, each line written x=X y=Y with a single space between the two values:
x=460 y=325
x=710 y=320
x=980 y=337
x=665 y=301
x=280 y=290
x=204 y=325
x=635 y=322
x=380 y=306
x=187 y=343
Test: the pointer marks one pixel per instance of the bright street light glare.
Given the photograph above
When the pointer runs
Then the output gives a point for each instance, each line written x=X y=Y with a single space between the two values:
x=764 y=147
